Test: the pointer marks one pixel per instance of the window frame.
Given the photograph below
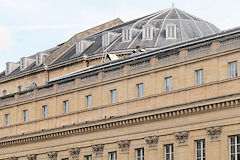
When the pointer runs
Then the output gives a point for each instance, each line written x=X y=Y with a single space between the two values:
x=86 y=157
x=66 y=107
x=88 y=101
x=126 y=34
x=25 y=115
x=171 y=31
x=141 y=156
x=199 y=76
x=236 y=145
x=202 y=149
x=113 y=97
x=45 y=111
x=233 y=69
x=140 y=90
x=114 y=155
x=168 y=86
x=7 y=119
x=171 y=151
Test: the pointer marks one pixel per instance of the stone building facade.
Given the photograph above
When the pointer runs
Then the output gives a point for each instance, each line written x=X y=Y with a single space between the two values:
x=121 y=91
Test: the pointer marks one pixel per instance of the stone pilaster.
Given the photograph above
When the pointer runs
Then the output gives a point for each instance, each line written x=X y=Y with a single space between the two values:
x=214 y=133
x=182 y=138
x=74 y=153
x=98 y=150
x=32 y=157
x=152 y=142
x=124 y=146
x=52 y=155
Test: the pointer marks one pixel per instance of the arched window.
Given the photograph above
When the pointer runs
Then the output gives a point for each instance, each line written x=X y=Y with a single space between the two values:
x=171 y=31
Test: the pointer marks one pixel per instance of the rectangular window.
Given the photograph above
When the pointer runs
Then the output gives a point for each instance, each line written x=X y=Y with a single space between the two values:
x=45 y=111
x=7 y=119
x=140 y=90
x=113 y=96
x=234 y=147
x=199 y=76
x=65 y=107
x=169 y=154
x=112 y=155
x=168 y=84
x=88 y=157
x=25 y=115
x=233 y=71
x=140 y=154
x=200 y=150
x=89 y=101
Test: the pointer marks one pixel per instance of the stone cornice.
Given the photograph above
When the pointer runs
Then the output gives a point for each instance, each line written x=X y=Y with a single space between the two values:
x=138 y=119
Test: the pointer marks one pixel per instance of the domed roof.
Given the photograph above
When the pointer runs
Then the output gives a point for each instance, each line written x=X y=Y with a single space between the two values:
x=160 y=29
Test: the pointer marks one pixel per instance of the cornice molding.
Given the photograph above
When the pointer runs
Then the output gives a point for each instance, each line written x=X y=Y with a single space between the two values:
x=124 y=122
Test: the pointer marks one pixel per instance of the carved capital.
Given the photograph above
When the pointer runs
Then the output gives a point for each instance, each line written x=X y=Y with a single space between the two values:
x=74 y=153
x=52 y=155
x=98 y=150
x=182 y=138
x=12 y=158
x=124 y=146
x=152 y=142
x=214 y=133
x=32 y=157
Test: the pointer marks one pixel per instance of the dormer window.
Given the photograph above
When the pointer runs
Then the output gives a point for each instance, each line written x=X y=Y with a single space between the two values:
x=82 y=45
x=108 y=38
x=171 y=31
x=126 y=34
x=147 y=32
x=40 y=58
x=25 y=62
x=10 y=67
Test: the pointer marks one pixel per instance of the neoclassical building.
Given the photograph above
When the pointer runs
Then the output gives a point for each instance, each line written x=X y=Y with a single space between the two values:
x=161 y=87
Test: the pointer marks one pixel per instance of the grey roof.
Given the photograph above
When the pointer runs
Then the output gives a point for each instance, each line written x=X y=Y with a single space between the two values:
x=188 y=27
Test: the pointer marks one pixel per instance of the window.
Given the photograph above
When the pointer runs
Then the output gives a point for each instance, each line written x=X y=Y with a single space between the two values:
x=113 y=96
x=235 y=147
x=25 y=115
x=233 y=69
x=112 y=155
x=105 y=39
x=200 y=150
x=89 y=101
x=126 y=35
x=140 y=90
x=88 y=157
x=169 y=154
x=140 y=154
x=171 y=31
x=5 y=92
x=147 y=32
x=45 y=111
x=65 y=106
x=168 y=84
x=199 y=76
x=7 y=119
x=19 y=88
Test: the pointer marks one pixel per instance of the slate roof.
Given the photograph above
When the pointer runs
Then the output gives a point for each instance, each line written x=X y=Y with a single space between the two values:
x=188 y=27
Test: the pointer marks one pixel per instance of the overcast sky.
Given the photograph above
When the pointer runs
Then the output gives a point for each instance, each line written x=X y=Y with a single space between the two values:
x=30 y=26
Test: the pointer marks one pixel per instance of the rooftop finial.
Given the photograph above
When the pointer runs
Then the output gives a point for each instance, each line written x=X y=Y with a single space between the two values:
x=173 y=5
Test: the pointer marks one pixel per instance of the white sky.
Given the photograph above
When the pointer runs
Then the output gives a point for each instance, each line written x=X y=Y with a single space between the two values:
x=30 y=26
